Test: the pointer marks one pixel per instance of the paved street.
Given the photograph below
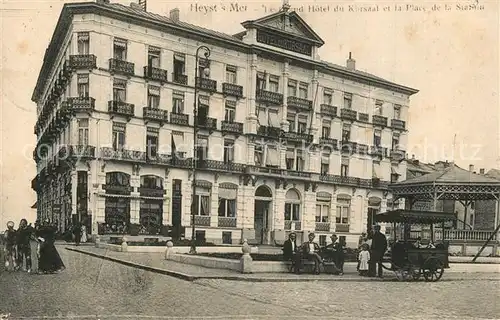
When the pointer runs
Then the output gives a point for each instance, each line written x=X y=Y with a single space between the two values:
x=91 y=286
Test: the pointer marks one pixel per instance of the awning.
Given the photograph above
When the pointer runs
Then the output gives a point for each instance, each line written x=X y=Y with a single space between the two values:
x=414 y=216
x=290 y=154
x=229 y=194
x=325 y=158
x=272 y=158
x=178 y=141
x=262 y=116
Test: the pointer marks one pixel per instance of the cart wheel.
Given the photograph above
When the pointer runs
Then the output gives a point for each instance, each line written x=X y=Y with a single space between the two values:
x=416 y=274
x=433 y=269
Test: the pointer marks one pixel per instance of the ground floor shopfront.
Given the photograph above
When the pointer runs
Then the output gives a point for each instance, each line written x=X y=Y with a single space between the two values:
x=122 y=198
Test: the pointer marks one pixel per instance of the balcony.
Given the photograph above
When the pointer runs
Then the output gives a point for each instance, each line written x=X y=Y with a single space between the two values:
x=179 y=119
x=397 y=155
x=398 y=124
x=206 y=84
x=328 y=110
x=378 y=151
x=348 y=114
x=226 y=222
x=329 y=142
x=81 y=104
x=203 y=221
x=76 y=151
x=123 y=154
x=82 y=61
x=348 y=147
x=256 y=170
x=379 y=121
x=155 y=114
x=232 y=127
x=121 y=108
x=207 y=123
x=297 y=137
x=269 y=97
x=346 y=180
x=155 y=74
x=121 y=67
x=272 y=132
x=341 y=227
x=293 y=225
x=221 y=166
x=152 y=192
x=230 y=89
x=322 y=226
x=299 y=103
x=363 y=117
x=180 y=78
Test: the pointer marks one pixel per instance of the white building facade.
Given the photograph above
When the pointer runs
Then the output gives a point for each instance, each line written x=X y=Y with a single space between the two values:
x=286 y=141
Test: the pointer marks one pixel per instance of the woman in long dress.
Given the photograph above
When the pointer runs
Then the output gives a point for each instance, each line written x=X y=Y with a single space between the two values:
x=84 y=234
x=49 y=260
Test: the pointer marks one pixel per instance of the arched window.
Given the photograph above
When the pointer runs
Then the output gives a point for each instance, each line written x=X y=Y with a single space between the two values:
x=117 y=179
x=151 y=182
x=263 y=191
x=292 y=205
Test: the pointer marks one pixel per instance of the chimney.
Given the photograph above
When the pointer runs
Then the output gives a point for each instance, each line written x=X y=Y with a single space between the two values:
x=471 y=167
x=174 y=15
x=481 y=171
x=137 y=6
x=351 y=63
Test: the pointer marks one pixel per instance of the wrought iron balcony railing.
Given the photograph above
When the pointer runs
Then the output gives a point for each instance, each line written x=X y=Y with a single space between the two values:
x=397 y=155
x=226 y=222
x=155 y=74
x=78 y=104
x=299 y=103
x=180 y=78
x=379 y=120
x=121 y=108
x=293 y=225
x=298 y=137
x=353 y=181
x=207 y=123
x=220 y=166
x=328 y=110
x=179 y=118
x=378 y=151
x=398 y=124
x=231 y=89
x=322 y=226
x=76 y=151
x=123 y=154
x=341 y=227
x=348 y=114
x=272 y=132
x=206 y=84
x=83 y=61
x=121 y=67
x=203 y=221
x=151 y=192
x=329 y=142
x=269 y=97
x=363 y=117
x=232 y=127
x=155 y=114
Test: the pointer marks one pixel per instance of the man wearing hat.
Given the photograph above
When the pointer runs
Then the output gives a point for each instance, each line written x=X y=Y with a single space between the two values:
x=335 y=253
x=291 y=252
x=378 y=248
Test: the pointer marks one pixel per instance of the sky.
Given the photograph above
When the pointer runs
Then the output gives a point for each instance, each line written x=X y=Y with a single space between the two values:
x=450 y=54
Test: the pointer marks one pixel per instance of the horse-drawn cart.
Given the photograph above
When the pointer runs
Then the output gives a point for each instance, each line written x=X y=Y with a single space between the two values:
x=408 y=258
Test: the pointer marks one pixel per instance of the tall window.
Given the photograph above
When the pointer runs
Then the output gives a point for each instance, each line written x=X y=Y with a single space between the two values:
x=299 y=160
x=347 y=100
x=327 y=97
x=326 y=129
x=302 y=124
x=118 y=136
x=178 y=102
x=202 y=148
x=344 y=166
x=203 y=106
x=227 y=207
x=378 y=107
x=152 y=142
x=228 y=151
x=120 y=49
x=179 y=64
x=325 y=163
x=292 y=88
x=377 y=137
x=83 y=85
x=395 y=141
x=231 y=74
x=291 y=118
x=272 y=156
x=274 y=83
x=303 y=89
x=322 y=211
x=119 y=90
x=290 y=158
x=292 y=206
x=346 y=132
x=154 y=54
x=153 y=97
x=261 y=82
x=259 y=155
x=202 y=201
x=83 y=132
x=230 y=111
x=83 y=43
x=343 y=210
x=397 y=111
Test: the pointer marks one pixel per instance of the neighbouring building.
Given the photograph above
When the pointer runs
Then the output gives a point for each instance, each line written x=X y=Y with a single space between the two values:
x=287 y=141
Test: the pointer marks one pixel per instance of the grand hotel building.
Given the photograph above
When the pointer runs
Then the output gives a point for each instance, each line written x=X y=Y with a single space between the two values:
x=286 y=141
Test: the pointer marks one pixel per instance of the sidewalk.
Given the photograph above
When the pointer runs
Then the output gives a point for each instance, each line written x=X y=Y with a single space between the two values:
x=155 y=262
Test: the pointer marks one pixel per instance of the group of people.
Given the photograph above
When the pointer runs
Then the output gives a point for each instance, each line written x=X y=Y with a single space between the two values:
x=372 y=250
x=17 y=247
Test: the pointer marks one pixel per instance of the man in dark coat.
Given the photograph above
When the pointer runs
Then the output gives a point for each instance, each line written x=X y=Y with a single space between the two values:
x=77 y=232
x=311 y=250
x=291 y=252
x=378 y=248
x=25 y=234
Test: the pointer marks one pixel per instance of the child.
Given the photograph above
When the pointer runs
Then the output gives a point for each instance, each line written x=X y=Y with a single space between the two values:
x=10 y=238
x=364 y=257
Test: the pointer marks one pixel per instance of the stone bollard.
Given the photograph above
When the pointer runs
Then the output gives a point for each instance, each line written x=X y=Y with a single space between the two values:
x=124 y=244
x=246 y=259
x=97 y=241
x=168 y=251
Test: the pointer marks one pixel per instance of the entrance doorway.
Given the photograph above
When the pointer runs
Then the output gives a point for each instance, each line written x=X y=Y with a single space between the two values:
x=262 y=216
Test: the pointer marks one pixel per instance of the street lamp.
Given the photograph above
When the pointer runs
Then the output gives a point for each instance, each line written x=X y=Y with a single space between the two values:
x=195 y=141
